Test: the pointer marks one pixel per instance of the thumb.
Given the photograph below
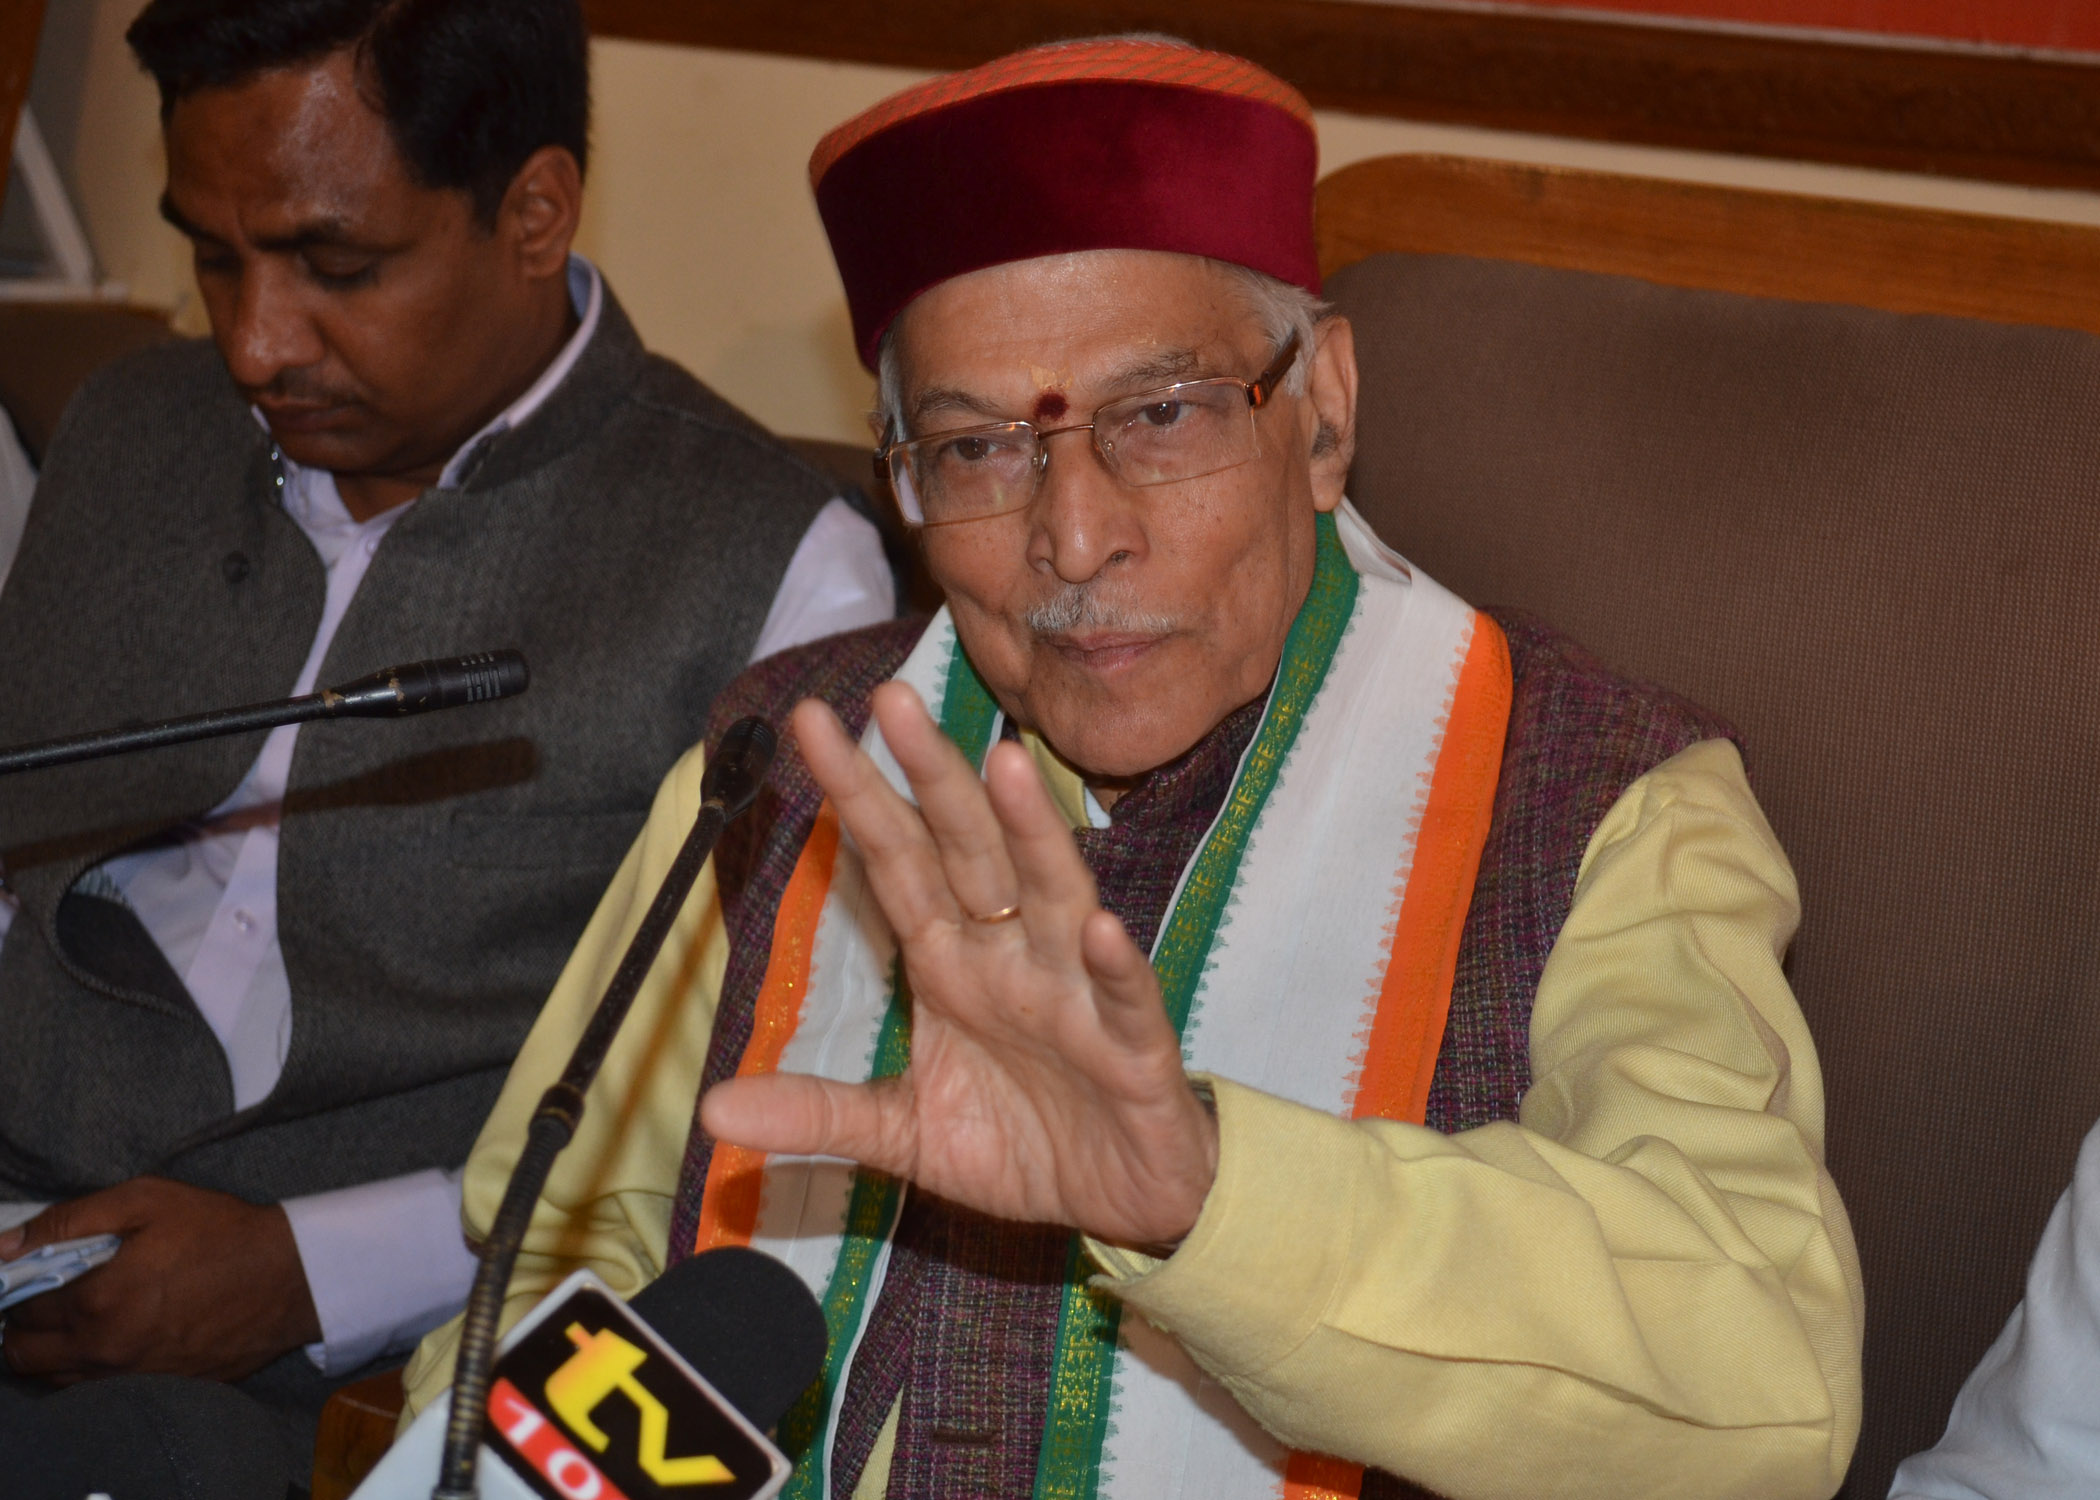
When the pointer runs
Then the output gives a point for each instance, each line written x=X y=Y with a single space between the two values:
x=29 y=1234
x=805 y=1116
x=106 y=1212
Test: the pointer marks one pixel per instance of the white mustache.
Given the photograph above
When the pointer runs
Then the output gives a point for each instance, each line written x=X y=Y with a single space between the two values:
x=1077 y=607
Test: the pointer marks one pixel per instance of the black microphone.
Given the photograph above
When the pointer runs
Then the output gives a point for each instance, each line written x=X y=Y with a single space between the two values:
x=594 y=1397
x=728 y=786
x=745 y=1322
x=419 y=687
x=738 y=766
x=415 y=688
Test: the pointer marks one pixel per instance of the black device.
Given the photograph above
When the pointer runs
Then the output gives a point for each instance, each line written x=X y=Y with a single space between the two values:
x=728 y=787
x=667 y=1395
x=745 y=1322
x=391 y=692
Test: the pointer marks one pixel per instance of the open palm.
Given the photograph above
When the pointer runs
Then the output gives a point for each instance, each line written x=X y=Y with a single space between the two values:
x=1045 y=1083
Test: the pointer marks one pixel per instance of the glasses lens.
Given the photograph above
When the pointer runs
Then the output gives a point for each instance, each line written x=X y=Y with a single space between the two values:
x=904 y=488
x=1179 y=433
x=980 y=472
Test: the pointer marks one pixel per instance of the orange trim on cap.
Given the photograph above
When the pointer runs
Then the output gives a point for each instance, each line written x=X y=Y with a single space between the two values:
x=1107 y=60
x=729 y=1199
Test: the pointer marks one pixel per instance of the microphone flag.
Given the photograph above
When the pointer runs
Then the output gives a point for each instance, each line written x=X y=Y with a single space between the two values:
x=586 y=1402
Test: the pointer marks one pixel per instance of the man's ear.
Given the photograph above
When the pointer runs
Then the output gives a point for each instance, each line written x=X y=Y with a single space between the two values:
x=541 y=210
x=1330 y=387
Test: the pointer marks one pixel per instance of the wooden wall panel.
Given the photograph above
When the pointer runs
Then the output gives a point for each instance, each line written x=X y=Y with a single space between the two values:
x=1967 y=113
x=1900 y=259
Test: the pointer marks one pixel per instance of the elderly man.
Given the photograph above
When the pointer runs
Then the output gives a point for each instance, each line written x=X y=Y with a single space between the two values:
x=257 y=995
x=1294 y=1030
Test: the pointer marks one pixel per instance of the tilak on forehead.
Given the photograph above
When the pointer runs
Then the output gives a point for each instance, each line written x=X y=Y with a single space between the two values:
x=1115 y=144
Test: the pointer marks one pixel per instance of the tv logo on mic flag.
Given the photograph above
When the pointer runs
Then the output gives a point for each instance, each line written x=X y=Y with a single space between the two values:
x=588 y=1404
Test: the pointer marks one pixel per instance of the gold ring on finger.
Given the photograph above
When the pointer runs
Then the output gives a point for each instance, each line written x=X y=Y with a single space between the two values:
x=1003 y=914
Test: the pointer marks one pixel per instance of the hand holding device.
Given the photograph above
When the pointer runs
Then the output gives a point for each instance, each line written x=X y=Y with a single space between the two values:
x=195 y=1283
x=49 y=1267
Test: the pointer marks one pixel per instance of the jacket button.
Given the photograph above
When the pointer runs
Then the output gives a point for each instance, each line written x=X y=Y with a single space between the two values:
x=235 y=566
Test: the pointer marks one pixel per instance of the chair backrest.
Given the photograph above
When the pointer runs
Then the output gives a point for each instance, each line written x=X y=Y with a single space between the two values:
x=48 y=348
x=1864 y=524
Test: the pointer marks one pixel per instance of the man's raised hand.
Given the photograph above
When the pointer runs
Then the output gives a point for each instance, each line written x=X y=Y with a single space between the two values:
x=1045 y=1084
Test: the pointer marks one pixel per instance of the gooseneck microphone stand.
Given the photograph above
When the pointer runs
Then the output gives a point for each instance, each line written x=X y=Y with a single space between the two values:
x=390 y=692
x=728 y=787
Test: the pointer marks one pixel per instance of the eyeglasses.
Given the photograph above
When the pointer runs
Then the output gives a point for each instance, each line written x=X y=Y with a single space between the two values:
x=1177 y=432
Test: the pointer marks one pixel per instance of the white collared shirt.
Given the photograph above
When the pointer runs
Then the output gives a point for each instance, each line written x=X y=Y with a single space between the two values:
x=385 y=1261
x=2026 y=1425
x=17 y=488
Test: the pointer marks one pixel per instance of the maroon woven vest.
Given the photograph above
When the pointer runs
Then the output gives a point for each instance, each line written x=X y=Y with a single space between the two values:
x=966 y=1324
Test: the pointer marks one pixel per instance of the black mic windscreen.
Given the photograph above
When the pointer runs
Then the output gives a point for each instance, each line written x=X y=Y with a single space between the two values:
x=738 y=765
x=745 y=1322
x=420 y=686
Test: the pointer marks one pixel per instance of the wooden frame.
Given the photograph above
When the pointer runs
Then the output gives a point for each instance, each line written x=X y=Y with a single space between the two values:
x=1968 y=112
x=1764 y=244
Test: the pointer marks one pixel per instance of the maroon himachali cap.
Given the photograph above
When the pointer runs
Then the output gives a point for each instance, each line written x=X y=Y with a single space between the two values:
x=1120 y=143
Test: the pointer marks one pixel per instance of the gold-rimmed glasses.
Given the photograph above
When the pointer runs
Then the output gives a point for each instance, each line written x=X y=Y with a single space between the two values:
x=1177 y=432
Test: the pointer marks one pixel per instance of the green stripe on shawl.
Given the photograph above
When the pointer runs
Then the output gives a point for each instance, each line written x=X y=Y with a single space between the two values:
x=871 y=1217
x=1083 y=1374
x=967 y=713
x=1082 y=1377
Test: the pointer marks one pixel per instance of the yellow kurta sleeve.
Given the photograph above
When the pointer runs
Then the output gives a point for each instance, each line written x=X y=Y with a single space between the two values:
x=607 y=1204
x=1644 y=1286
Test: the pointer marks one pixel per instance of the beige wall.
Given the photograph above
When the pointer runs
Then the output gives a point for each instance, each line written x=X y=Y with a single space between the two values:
x=116 y=166
x=699 y=213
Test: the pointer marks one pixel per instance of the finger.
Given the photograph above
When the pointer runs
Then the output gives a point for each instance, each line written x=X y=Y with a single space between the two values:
x=903 y=864
x=114 y=1210
x=41 y=1314
x=805 y=1116
x=47 y=1354
x=46 y=1228
x=952 y=802
x=44 y=1335
x=1127 y=995
x=1053 y=886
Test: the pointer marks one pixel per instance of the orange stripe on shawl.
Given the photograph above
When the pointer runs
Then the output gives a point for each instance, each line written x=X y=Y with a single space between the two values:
x=730 y=1198
x=1415 y=999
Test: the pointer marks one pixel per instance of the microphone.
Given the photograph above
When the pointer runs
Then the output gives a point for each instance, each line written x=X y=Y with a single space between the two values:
x=669 y=1394
x=419 y=687
x=728 y=786
x=391 y=692
x=738 y=766
x=745 y=1322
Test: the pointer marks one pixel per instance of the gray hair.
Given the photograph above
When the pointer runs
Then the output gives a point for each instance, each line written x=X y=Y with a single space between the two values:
x=1280 y=307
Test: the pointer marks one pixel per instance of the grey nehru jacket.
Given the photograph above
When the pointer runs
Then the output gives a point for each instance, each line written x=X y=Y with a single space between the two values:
x=434 y=872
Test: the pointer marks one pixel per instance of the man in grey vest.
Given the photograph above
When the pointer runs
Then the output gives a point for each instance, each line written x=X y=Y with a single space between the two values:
x=257 y=994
